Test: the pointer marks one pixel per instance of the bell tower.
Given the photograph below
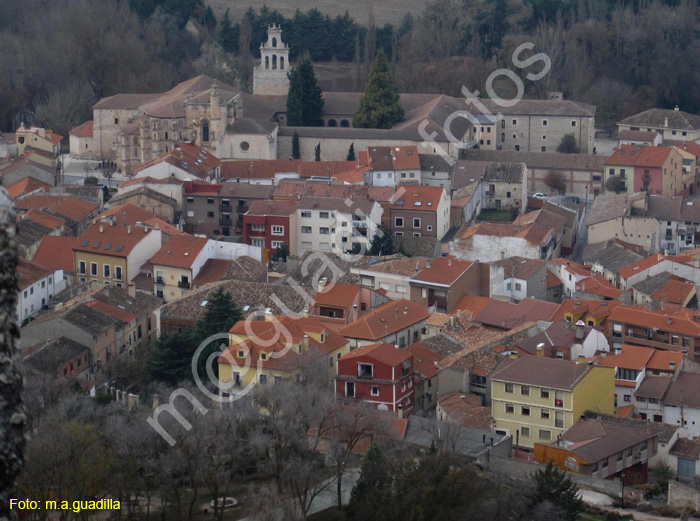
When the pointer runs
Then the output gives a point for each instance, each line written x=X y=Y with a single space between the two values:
x=270 y=76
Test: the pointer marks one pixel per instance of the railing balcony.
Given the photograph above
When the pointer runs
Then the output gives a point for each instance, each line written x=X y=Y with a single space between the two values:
x=159 y=280
x=225 y=220
x=183 y=284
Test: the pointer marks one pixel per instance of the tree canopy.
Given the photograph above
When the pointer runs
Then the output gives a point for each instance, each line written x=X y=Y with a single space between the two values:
x=380 y=106
x=305 y=100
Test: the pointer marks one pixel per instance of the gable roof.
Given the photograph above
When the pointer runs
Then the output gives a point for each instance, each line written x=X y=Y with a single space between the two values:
x=29 y=272
x=611 y=255
x=186 y=156
x=417 y=198
x=56 y=252
x=505 y=315
x=26 y=186
x=465 y=409
x=337 y=294
x=520 y=267
x=83 y=130
x=179 y=252
x=607 y=207
x=640 y=317
x=384 y=320
x=269 y=207
x=127 y=213
x=242 y=268
x=542 y=372
x=684 y=390
x=443 y=271
x=117 y=240
x=504 y=172
x=424 y=359
x=383 y=352
x=596 y=284
x=559 y=334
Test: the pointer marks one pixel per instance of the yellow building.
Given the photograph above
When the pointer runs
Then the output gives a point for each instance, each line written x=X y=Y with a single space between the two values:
x=266 y=352
x=175 y=266
x=34 y=138
x=112 y=254
x=536 y=399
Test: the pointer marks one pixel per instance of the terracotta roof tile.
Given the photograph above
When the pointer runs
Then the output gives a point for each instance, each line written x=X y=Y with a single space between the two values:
x=337 y=294
x=116 y=241
x=83 y=130
x=598 y=285
x=424 y=359
x=444 y=271
x=56 y=252
x=418 y=198
x=270 y=207
x=29 y=272
x=179 y=252
x=631 y=357
x=382 y=352
x=26 y=186
x=112 y=311
x=542 y=372
x=385 y=320
x=466 y=410
x=639 y=317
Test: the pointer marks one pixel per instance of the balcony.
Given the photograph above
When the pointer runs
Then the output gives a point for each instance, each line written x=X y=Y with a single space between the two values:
x=159 y=280
x=225 y=220
x=225 y=206
x=242 y=208
x=183 y=284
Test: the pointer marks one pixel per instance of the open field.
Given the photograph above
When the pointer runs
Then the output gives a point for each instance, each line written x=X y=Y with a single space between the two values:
x=385 y=11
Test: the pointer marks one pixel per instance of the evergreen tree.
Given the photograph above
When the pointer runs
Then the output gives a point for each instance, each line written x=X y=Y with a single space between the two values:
x=228 y=34
x=382 y=243
x=351 y=153
x=568 y=145
x=220 y=314
x=105 y=193
x=171 y=362
x=295 y=146
x=380 y=106
x=317 y=152
x=554 y=486
x=369 y=493
x=305 y=100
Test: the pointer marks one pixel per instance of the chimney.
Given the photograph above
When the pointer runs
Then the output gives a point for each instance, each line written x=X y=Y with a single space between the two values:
x=128 y=230
x=540 y=349
x=449 y=261
x=321 y=284
x=583 y=286
x=672 y=365
x=397 y=313
x=396 y=346
x=675 y=108
x=580 y=330
x=666 y=122
x=435 y=362
x=452 y=322
x=400 y=411
x=102 y=229
x=305 y=342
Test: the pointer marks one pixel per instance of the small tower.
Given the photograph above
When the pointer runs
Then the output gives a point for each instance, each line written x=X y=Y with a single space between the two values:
x=270 y=77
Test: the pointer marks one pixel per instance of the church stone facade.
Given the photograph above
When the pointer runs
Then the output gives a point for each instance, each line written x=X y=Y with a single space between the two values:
x=270 y=77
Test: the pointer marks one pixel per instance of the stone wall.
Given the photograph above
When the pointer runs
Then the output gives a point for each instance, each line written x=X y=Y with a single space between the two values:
x=680 y=495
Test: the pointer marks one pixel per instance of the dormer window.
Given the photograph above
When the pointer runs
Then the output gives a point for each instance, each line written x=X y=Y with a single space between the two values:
x=323 y=337
x=241 y=354
x=263 y=356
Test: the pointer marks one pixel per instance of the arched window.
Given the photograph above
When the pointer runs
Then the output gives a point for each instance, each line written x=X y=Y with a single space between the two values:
x=344 y=123
x=274 y=61
x=281 y=62
x=267 y=62
x=332 y=123
x=205 y=131
x=274 y=42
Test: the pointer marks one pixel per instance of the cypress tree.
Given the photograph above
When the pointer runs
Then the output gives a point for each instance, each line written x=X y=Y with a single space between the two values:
x=317 y=152
x=228 y=35
x=351 y=153
x=305 y=100
x=295 y=146
x=553 y=485
x=380 y=106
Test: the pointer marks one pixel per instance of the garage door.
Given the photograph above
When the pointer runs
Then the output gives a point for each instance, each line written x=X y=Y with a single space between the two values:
x=686 y=467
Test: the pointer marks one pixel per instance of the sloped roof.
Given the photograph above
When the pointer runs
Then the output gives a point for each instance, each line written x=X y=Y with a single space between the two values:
x=611 y=255
x=127 y=213
x=504 y=172
x=83 y=130
x=540 y=160
x=559 y=334
x=639 y=317
x=677 y=119
x=542 y=372
x=424 y=359
x=382 y=352
x=505 y=315
x=684 y=390
x=386 y=319
x=444 y=271
x=520 y=267
x=465 y=409
x=417 y=198
x=242 y=268
x=29 y=272
x=54 y=354
x=179 y=252
x=56 y=252
x=117 y=240
x=654 y=386
x=610 y=206
x=26 y=186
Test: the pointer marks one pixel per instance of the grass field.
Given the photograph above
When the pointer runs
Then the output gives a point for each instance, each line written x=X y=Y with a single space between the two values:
x=502 y=216
x=385 y=11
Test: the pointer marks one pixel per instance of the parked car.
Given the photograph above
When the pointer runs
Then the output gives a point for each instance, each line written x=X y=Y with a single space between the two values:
x=573 y=199
x=539 y=195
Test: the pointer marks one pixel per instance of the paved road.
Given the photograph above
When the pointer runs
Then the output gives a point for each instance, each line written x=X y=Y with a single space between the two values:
x=581 y=238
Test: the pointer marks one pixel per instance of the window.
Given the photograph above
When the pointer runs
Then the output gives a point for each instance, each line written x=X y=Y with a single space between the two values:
x=525 y=410
x=544 y=122
x=416 y=223
x=277 y=244
x=515 y=122
x=263 y=356
x=510 y=408
x=543 y=149
x=517 y=148
x=190 y=213
x=263 y=379
x=628 y=398
x=525 y=390
x=544 y=393
x=644 y=445
x=323 y=215
x=118 y=272
x=544 y=414
x=306 y=229
x=278 y=230
x=364 y=370
x=509 y=388
x=559 y=419
x=306 y=214
x=518 y=286
x=596 y=178
x=350 y=389
x=545 y=435
x=210 y=214
x=594 y=468
x=106 y=270
x=81 y=268
x=324 y=231
x=245 y=146
x=398 y=222
x=374 y=391
x=605 y=464
x=116 y=121
x=93 y=269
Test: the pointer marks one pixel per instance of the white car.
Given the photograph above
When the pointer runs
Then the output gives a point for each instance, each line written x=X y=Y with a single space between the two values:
x=538 y=195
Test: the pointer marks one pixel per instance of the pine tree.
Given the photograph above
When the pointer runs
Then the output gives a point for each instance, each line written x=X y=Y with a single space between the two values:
x=228 y=34
x=382 y=243
x=380 y=106
x=568 y=145
x=220 y=314
x=295 y=146
x=554 y=486
x=317 y=152
x=305 y=99
x=351 y=153
x=368 y=494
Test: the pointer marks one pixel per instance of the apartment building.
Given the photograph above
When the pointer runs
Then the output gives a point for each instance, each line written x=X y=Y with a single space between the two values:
x=420 y=211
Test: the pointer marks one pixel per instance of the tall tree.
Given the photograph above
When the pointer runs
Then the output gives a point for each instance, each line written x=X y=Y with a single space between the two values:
x=295 y=146
x=305 y=100
x=317 y=152
x=568 y=145
x=228 y=34
x=351 y=153
x=380 y=106
x=554 y=486
x=382 y=243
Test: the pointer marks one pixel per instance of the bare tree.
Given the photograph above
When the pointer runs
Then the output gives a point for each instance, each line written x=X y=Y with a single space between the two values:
x=555 y=181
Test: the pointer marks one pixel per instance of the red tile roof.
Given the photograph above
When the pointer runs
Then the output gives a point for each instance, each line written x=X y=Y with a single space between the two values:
x=472 y=304
x=641 y=265
x=262 y=208
x=337 y=294
x=631 y=357
x=258 y=169
x=598 y=285
x=443 y=270
x=179 y=252
x=43 y=218
x=385 y=319
x=424 y=359
x=674 y=292
x=552 y=280
x=324 y=168
x=638 y=155
x=56 y=253
x=116 y=241
x=29 y=272
x=112 y=311
x=393 y=158
x=466 y=410
x=127 y=214
x=689 y=146
x=186 y=156
x=585 y=308
x=625 y=411
x=54 y=139
x=83 y=130
x=637 y=316
x=26 y=186
x=417 y=198
x=63 y=205
x=382 y=352
x=663 y=360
